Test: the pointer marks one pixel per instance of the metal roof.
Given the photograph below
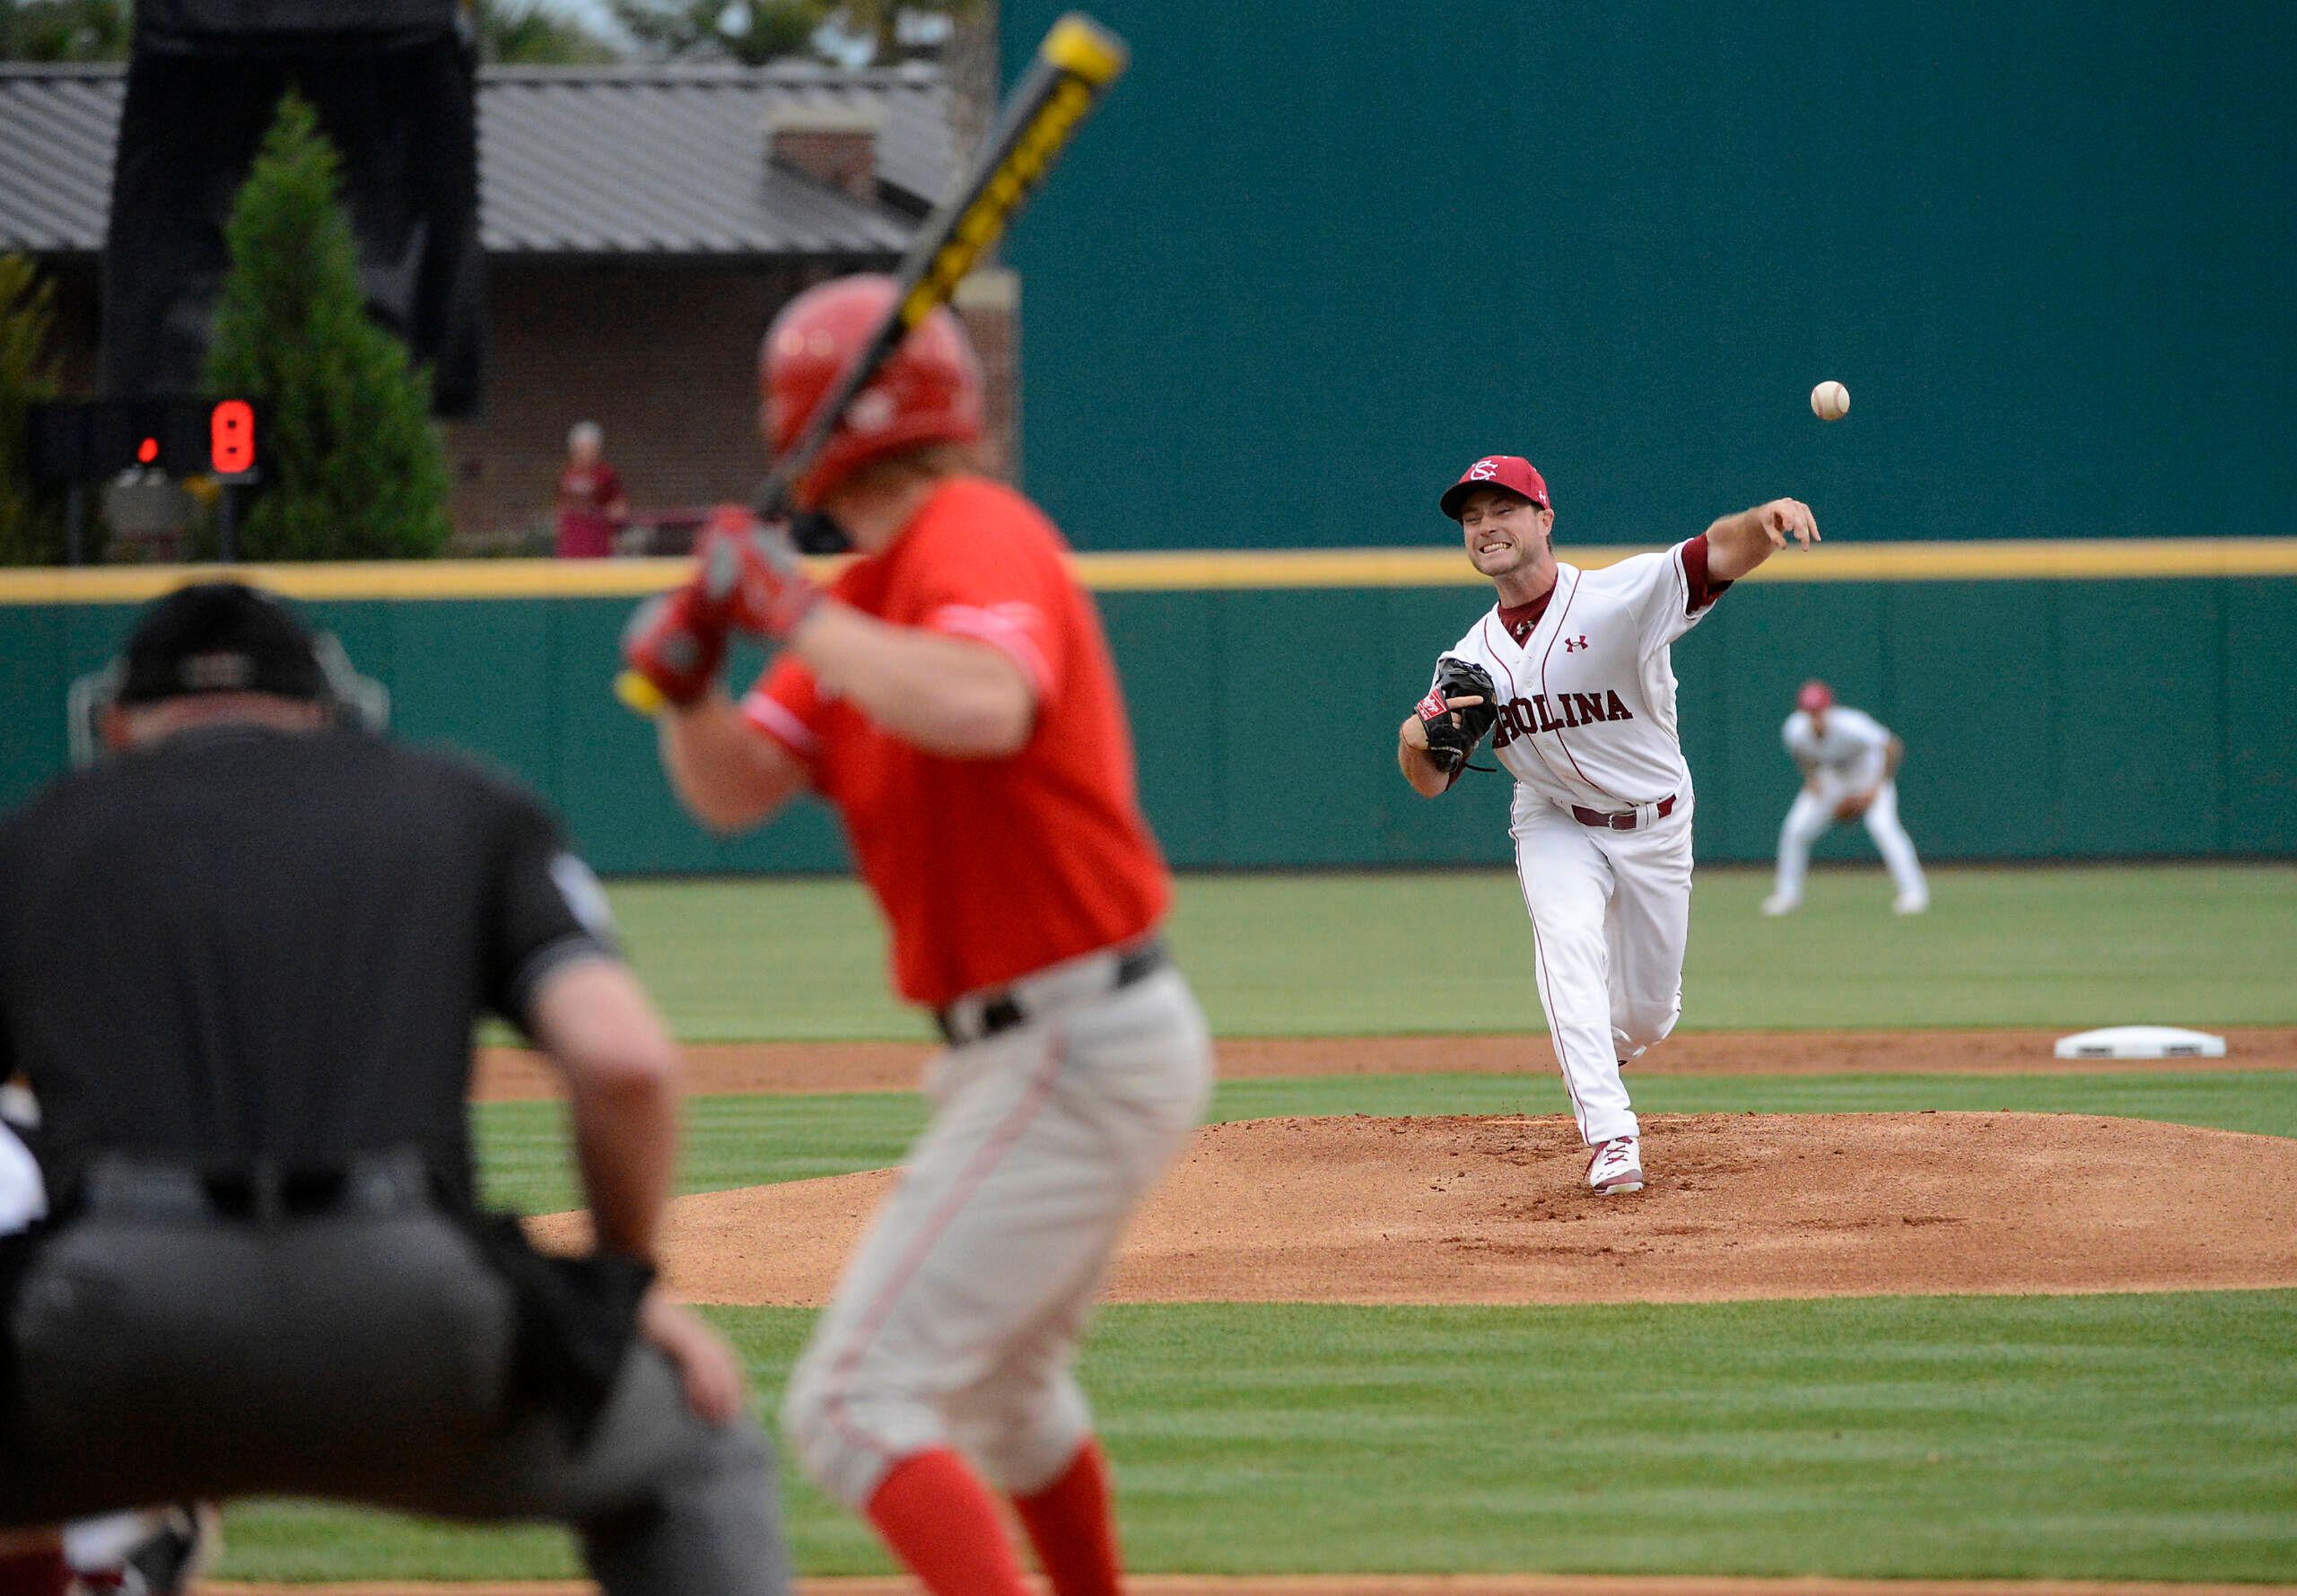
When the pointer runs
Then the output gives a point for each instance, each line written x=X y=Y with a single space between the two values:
x=611 y=161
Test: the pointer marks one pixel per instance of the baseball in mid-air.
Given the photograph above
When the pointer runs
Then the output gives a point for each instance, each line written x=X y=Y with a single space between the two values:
x=1829 y=401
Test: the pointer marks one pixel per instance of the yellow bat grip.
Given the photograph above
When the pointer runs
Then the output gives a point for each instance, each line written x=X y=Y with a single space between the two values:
x=1080 y=45
x=640 y=695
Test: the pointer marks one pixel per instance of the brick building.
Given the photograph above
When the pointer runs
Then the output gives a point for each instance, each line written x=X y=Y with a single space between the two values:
x=642 y=226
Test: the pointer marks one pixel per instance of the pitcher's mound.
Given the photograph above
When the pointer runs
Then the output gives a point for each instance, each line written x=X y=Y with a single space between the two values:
x=1495 y=1210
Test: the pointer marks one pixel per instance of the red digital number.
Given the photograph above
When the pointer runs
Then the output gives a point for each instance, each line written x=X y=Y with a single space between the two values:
x=231 y=438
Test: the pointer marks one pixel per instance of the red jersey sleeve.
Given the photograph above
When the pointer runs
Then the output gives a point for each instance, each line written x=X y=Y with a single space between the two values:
x=1004 y=585
x=787 y=706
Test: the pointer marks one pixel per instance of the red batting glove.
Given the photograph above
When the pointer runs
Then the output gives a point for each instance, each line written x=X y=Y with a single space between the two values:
x=750 y=569
x=675 y=643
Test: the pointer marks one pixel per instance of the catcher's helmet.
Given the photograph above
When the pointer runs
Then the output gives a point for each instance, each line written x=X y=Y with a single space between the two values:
x=928 y=391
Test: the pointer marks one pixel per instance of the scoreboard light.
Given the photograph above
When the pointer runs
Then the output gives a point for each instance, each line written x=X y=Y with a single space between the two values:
x=183 y=435
x=231 y=438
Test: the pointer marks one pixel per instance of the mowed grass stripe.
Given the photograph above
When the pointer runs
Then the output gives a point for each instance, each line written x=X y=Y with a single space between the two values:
x=753 y=1140
x=1347 y=954
x=2131 y=1437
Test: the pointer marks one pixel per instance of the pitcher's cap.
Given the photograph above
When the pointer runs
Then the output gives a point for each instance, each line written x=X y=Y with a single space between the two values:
x=1512 y=472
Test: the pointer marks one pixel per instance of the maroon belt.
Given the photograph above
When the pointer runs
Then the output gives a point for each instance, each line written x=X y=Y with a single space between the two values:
x=1620 y=823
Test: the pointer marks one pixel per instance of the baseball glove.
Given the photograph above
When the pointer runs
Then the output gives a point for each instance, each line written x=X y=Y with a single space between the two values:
x=1453 y=734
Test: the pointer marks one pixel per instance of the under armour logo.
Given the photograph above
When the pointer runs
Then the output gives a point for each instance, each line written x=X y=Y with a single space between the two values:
x=1572 y=645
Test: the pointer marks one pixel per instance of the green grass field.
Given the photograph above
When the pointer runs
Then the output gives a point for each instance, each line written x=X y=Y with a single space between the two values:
x=1357 y=953
x=2085 y=1437
x=2123 y=1436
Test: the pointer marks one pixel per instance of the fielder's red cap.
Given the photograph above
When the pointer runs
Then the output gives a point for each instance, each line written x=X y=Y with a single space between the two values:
x=1816 y=695
x=1511 y=472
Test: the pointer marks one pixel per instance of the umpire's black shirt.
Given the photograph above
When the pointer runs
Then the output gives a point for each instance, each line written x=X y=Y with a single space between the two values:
x=243 y=946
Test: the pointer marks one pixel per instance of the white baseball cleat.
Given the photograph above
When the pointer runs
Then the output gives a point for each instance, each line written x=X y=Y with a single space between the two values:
x=1778 y=903
x=1617 y=1166
x=1911 y=903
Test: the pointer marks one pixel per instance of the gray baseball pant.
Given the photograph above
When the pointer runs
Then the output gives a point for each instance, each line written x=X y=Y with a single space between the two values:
x=365 y=1358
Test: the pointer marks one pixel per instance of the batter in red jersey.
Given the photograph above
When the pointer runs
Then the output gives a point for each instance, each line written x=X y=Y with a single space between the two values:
x=953 y=697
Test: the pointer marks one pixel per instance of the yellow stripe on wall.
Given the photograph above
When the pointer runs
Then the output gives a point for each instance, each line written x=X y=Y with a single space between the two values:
x=2037 y=560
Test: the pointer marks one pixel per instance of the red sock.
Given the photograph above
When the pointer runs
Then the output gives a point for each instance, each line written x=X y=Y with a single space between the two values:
x=941 y=1520
x=1074 y=1531
x=34 y=1574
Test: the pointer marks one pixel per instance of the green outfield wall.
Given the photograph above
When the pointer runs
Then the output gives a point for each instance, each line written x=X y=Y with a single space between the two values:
x=1315 y=255
x=2140 y=703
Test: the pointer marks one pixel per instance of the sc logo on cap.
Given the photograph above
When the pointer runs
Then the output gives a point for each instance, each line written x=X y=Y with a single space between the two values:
x=1484 y=470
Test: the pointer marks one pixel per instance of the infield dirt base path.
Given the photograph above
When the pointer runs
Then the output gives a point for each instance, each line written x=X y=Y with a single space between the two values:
x=1371 y=1584
x=1495 y=1210
x=506 y=1074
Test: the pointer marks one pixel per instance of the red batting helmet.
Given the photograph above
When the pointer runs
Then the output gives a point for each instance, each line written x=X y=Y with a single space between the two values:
x=928 y=391
x=1815 y=697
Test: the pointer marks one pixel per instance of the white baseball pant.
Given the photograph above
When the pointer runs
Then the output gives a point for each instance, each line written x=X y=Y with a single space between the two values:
x=1811 y=814
x=1610 y=915
x=23 y=1198
x=959 y=1312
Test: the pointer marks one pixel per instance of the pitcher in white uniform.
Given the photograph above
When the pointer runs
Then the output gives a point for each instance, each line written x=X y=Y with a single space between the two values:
x=1602 y=811
x=1849 y=762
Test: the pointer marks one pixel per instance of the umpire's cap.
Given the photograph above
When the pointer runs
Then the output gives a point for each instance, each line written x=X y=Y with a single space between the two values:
x=221 y=637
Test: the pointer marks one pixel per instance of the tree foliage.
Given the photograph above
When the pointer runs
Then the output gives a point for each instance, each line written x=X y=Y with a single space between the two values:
x=513 y=33
x=65 y=30
x=355 y=470
x=755 y=31
x=530 y=33
x=879 y=21
x=32 y=529
x=750 y=31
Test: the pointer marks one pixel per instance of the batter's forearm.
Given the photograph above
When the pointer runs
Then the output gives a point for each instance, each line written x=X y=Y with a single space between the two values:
x=728 y=775
x=953 y=696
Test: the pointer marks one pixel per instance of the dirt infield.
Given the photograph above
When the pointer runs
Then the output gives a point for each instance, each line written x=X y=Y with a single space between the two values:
x=507 y=1074
x=1371 y=1584
x=1488 y=1210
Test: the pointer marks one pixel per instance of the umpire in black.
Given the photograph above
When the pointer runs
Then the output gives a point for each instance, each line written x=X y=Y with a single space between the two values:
x=239 y=963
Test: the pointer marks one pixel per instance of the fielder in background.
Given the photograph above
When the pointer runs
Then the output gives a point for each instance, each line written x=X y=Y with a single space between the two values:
x=1570 y=673
x=1849 y=762
x=953 y=696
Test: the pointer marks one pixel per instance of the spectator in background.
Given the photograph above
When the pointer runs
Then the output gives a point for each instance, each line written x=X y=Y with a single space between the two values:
x=590 y=501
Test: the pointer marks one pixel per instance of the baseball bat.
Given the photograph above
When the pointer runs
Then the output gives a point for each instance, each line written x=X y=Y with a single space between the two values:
x=1076 y=64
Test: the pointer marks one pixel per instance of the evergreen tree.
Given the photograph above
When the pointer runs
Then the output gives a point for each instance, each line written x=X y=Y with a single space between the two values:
x=355 y=471
x=31 y=531
x=65 y=30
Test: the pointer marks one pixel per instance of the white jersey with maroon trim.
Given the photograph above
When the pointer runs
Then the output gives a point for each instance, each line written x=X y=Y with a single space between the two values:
x=1852 y=750
x=1588 y=699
